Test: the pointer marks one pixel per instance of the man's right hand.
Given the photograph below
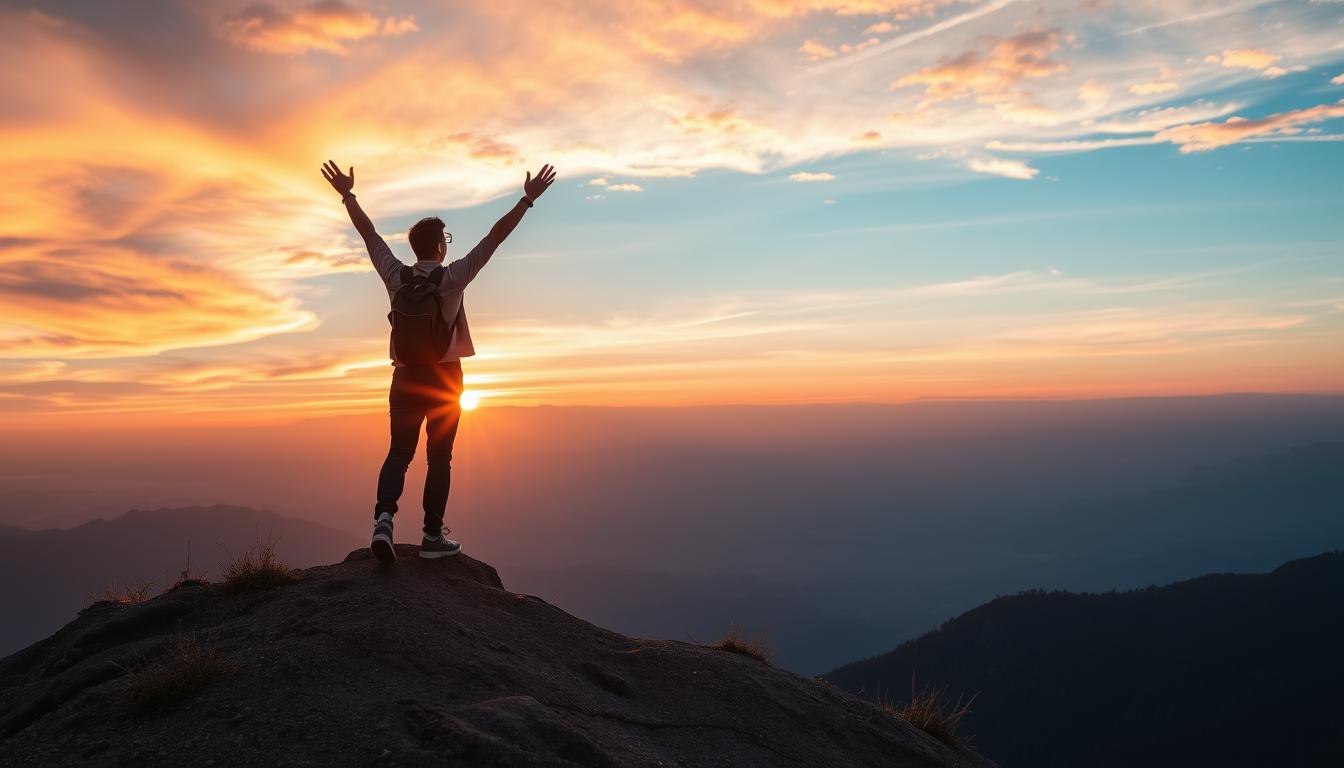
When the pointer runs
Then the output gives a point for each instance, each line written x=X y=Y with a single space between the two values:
x=339 y=181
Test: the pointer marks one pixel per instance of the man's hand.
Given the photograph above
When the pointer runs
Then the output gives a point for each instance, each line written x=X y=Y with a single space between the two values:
x=532 y=187
x=339 y=181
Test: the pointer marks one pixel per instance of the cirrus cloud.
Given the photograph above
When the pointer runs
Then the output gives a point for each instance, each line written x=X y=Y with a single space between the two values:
x=1201 y=137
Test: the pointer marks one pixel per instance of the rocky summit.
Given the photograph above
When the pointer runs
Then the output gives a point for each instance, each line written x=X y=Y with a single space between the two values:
x=417 y=663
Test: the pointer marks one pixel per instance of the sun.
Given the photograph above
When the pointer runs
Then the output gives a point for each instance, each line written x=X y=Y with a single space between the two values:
x=469 y=400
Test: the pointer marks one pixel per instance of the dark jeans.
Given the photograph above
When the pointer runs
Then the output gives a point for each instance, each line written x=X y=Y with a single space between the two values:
x=426 y=394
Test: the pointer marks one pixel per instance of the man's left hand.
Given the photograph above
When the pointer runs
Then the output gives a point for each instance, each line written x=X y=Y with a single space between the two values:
x=534 y=186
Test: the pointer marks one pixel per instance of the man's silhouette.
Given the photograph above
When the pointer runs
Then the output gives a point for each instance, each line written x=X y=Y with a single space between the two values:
x=427 y=375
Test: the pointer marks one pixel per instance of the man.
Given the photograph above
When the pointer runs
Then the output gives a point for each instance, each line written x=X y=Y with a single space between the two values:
x=426 y=388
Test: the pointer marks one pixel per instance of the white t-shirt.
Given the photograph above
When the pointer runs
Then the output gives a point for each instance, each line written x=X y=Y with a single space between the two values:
x=456 y=275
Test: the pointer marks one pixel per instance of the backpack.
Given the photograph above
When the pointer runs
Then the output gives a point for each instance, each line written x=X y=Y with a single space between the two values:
x=420 y=335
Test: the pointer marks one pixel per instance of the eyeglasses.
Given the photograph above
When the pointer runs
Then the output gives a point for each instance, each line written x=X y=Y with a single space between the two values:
x=448 y=237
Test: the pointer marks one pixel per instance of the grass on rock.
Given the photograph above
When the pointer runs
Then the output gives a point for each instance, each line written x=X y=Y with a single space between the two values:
x=122 y=595
x=736 y=642
x=931 y=711
x=258 y=568
x=184 y=668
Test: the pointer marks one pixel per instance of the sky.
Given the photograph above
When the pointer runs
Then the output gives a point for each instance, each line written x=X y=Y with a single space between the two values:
x=758 y=201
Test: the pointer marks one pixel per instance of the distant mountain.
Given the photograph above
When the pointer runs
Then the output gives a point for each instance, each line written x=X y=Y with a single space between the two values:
x=1225 y=670
x=47 y=576
x=419 y=663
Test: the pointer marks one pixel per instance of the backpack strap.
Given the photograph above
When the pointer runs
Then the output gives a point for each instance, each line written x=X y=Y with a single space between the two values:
x=436 y=275
x=407 y=274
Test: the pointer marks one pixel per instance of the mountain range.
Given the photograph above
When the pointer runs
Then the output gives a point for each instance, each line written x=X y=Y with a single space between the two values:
x=1226 y=669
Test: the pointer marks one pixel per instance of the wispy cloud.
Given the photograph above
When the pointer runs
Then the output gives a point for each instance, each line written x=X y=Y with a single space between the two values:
x=327 y=25
x=1201 y=137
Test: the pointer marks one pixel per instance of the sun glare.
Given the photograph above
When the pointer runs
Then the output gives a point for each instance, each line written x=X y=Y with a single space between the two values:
x=469 y=400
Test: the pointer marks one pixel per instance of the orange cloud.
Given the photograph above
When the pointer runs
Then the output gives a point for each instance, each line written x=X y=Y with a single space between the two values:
x=326 y=26
x=992 y=77
x=483 y=147
x=105 y=300
x=1201 y=137
x=815 y=51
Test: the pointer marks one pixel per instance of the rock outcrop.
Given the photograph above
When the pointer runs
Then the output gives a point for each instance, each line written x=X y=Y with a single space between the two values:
x=423 y=662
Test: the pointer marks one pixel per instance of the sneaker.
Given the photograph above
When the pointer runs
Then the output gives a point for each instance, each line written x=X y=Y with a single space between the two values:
x=382 y=539
x=440 y=546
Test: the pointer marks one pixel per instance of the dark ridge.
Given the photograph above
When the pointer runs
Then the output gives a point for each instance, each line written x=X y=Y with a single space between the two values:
x=1225 y=669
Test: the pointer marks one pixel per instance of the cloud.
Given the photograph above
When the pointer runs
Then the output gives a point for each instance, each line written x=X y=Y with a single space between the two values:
x=1081 y=145
x=325 y=26
x=1256 y=59
x=1166 y=83
x=992 y=77
x=480 y=147
x=600 y=181
x=880 y=28
x=810 y=176
x=1154 y=88
x=112 y=301
x=1157 y=118
x=815 y=51
x=625 y=188
x=1012 y=169
x=1337 y=79
x=856 y=47
x=1201 y=137
x=1094 y=93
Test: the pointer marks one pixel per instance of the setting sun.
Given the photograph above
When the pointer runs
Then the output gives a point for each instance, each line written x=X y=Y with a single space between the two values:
x=469 y=400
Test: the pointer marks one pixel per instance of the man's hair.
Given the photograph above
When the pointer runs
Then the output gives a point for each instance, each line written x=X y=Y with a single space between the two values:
x=425 y=237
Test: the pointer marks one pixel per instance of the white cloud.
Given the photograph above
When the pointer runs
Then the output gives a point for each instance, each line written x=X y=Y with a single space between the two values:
x=1256 y=59
x=600 y=181
x=807 y=176
x=997 y=166
x=625 y=188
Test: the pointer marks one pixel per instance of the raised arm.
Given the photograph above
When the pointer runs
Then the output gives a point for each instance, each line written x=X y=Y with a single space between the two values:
x=464 y=269
x=383 y=259
x=532 y=189
x=346 y=186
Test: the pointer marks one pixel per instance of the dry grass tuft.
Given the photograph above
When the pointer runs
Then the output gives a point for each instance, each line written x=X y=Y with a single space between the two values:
x=188 y=577
x=194 y=580
x=258 y=568
x=736 y=642
x=184 y=668
x=931 y=711
x=121 y=595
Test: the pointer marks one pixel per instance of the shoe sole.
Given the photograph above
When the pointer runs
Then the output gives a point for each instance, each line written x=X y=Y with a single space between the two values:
x=383 y=550
x=435 y=555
